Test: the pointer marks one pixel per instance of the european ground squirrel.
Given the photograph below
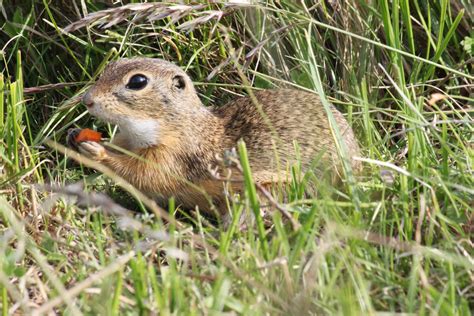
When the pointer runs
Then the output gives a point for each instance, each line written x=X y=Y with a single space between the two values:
x=175 y=139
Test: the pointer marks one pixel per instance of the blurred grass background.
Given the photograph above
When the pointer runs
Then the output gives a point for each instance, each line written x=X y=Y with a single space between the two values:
x=399 y=240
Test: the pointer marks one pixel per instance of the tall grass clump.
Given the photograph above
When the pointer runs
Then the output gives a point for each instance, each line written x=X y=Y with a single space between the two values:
x=395 y=239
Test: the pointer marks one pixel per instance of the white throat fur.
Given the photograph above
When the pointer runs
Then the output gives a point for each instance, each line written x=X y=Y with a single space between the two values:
x=141 y=133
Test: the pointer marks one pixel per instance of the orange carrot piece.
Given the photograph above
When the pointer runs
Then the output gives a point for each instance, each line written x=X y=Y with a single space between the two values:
x=88 y=135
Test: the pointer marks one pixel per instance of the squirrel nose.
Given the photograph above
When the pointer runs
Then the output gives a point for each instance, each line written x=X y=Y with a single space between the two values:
x=87 y=99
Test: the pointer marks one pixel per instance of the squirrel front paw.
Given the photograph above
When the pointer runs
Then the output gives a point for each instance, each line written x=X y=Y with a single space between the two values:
x=93 y=150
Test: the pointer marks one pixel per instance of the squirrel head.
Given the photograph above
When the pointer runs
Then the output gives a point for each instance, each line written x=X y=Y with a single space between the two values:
x=145 y=97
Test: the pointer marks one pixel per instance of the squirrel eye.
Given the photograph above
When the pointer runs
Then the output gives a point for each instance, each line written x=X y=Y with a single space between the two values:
x=137 y=82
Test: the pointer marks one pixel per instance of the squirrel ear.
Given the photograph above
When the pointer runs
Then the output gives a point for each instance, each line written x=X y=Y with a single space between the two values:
x=179 y=82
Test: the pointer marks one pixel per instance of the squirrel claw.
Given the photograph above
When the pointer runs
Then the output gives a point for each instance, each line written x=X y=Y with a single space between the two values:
x=92 y=150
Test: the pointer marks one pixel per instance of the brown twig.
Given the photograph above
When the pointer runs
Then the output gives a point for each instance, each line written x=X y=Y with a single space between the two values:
x=52 y=86
x=87 y=199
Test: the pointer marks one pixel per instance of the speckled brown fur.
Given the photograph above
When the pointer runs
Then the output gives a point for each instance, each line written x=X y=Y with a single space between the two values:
x=178 y=139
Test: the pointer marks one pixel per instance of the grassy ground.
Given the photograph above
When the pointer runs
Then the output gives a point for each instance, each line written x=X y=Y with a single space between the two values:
x=397 y=240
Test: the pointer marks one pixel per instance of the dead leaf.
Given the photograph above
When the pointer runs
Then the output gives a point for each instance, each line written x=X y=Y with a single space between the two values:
x=436 y=97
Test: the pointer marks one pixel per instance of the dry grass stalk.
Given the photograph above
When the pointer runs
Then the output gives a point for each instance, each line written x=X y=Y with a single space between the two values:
x=151 y=12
